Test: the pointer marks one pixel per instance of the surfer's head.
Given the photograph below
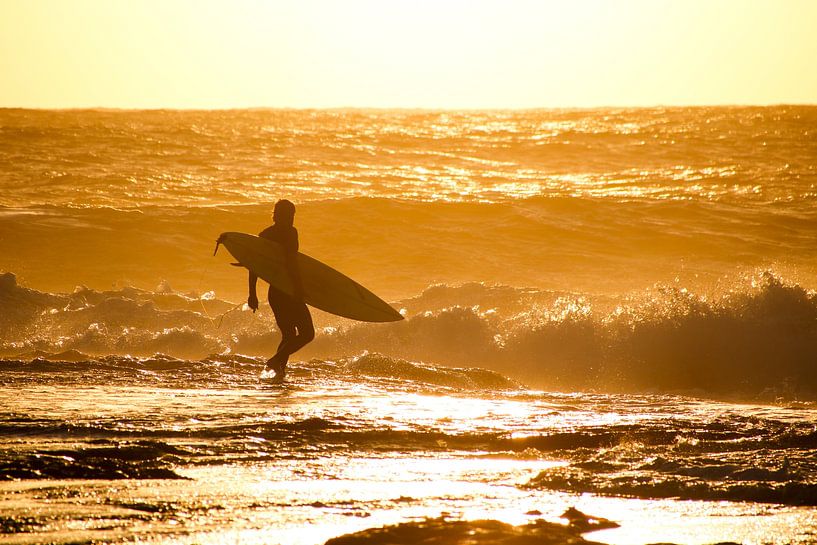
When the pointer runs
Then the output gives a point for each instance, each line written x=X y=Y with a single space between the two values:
x=284 y=212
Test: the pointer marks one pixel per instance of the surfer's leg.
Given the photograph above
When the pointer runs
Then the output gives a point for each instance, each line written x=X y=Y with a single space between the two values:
x=302 y=332
x=305 y=327
x=287 y=327
x=281 y=356
x=295 y=322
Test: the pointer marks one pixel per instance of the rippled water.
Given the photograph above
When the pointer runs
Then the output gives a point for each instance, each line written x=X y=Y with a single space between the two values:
x=591 y=201
x=121 y=158
x=350 y=444
x=579 y=286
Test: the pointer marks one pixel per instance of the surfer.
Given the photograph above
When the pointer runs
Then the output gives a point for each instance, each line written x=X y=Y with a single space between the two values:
x=291 y=313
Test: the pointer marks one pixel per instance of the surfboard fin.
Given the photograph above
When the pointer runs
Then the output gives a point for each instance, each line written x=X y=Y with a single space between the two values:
x=219 y=240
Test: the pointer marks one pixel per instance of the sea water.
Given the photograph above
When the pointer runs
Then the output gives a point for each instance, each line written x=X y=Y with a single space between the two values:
x=612 y=310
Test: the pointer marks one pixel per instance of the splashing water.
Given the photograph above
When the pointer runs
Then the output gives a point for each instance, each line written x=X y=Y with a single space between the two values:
x=579 y=287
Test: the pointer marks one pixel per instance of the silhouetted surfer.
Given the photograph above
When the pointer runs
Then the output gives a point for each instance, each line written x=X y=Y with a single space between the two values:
x=291 y=313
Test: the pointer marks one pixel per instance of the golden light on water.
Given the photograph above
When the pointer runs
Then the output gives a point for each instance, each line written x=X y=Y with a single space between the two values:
x=523 y=179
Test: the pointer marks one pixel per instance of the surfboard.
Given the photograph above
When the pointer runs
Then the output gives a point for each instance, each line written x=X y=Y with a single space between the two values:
x=324 y=287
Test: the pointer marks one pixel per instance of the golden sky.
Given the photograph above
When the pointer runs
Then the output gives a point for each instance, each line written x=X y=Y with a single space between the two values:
x=406 y=53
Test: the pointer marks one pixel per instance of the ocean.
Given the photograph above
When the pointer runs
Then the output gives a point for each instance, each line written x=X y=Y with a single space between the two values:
x=613 y=310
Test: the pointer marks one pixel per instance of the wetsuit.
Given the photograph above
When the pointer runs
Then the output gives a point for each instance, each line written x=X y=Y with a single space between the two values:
x=291 y=315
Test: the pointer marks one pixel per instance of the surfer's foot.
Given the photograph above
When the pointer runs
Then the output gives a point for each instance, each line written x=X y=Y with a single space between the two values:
x=280 y=372
x=277 y=365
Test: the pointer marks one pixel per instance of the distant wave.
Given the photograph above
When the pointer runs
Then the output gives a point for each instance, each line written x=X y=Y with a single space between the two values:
x=757 y=340
x=397 y=248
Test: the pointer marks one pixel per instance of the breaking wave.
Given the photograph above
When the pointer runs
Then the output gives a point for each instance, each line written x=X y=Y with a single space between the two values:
x=758 y=339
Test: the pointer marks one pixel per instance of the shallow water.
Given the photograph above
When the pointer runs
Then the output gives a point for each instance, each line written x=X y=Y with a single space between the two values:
x=337 y=450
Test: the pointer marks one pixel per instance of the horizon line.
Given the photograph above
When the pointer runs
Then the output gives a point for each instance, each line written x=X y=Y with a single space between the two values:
x=406 y=108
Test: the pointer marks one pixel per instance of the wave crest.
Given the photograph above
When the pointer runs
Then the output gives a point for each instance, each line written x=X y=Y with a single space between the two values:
x=757 y=339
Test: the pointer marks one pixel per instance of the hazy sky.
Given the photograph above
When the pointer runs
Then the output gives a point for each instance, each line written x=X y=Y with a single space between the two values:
x=413 y=53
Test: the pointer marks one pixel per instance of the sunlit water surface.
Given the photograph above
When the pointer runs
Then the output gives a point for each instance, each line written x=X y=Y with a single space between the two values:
x=638 y=250
x=331 y=452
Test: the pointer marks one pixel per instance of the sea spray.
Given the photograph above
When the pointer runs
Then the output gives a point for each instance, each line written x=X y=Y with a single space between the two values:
x=758 y=338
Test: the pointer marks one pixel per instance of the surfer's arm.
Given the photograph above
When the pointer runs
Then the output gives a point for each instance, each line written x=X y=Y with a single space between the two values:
x=252 y=298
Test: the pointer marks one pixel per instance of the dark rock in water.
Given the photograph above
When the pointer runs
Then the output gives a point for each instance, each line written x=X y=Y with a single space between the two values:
x=585 y=523
x=460 y=532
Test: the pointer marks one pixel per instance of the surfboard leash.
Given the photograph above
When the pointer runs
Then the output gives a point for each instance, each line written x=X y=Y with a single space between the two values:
x=204 y=308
